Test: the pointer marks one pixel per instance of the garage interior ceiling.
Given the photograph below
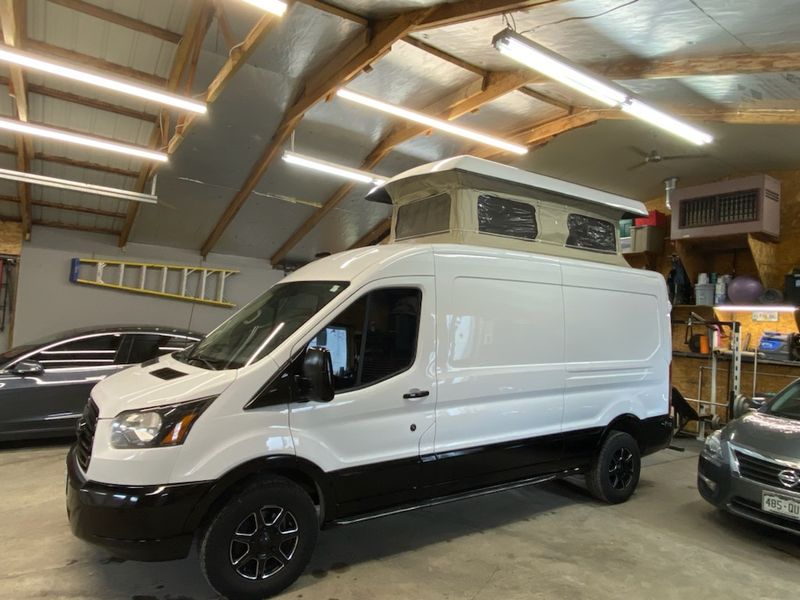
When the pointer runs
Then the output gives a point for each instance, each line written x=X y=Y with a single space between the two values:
x=730 y=66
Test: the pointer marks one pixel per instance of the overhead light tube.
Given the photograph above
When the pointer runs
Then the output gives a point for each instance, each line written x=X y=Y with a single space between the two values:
x=81 y=140
x=555 y=66
x=45 y=65
x=432 y=122
x=333 y=169
x=276 y=7
x=76 y=186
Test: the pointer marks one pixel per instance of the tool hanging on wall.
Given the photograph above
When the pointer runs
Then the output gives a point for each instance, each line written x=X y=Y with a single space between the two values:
x=166 y=281
x=7 y=266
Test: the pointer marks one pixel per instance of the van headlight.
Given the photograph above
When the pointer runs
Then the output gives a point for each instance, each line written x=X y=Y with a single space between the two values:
x=713 y=448
x=156 y=427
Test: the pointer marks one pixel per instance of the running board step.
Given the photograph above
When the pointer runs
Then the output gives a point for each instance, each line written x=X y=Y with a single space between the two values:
x=454 y=497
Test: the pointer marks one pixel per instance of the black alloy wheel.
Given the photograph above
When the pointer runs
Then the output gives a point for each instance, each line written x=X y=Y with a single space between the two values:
x=260 y=542
x=615 y=471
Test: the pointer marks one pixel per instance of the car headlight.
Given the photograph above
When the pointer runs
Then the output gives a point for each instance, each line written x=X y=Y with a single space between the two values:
x=156 y=427
x=713 y=448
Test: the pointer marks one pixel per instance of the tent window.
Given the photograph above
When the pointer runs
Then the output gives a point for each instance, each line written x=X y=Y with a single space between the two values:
x=591 y=233
x=501 y=216
x=423 y=217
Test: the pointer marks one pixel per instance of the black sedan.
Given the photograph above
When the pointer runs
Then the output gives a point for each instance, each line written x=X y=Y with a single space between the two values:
x=44 y=385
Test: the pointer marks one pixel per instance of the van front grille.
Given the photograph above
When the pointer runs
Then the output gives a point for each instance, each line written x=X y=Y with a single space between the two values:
x=86 y=428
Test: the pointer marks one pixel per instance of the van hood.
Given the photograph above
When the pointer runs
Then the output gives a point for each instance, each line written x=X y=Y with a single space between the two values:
x=151 y=384
x=766 y=434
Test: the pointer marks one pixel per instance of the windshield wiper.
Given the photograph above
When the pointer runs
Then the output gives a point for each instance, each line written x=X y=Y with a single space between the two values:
x=203 y=361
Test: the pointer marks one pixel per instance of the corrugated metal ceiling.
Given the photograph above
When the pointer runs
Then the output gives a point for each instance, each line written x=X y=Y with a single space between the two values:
x=218 y=153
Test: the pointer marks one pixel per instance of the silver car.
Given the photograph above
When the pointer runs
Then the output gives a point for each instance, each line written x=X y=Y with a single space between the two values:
x=752 y=467
x=44 y=385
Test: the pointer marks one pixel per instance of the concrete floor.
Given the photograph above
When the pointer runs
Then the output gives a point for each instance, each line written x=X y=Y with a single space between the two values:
x=547 y=542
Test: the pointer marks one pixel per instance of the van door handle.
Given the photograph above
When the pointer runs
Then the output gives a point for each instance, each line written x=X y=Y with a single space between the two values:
x=415 y=393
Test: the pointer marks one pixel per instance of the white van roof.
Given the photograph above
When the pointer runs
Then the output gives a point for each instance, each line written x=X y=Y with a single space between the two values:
x=494 y=170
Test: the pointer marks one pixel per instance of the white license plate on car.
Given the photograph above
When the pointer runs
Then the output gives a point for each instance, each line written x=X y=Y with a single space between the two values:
x=780 y=505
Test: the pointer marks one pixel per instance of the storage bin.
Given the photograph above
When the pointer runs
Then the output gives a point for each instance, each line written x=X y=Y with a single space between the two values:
x=655 y=218
x=704 y=294
x=647 y=239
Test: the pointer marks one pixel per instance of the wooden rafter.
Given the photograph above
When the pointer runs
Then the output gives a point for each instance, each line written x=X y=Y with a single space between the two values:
x=374 y=235
x=12 y=14
x=98 y=63
x=546 y=99
x=196 y=25
x=68 y=207
x=119 y=19
x=223 y=24
x=358 y=54
x=454 y=60
x=42 y=90
x=335 y=10
x=470 y=10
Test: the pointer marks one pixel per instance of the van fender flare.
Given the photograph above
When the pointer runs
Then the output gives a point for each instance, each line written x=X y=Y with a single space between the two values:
x=299 y=470
x=627 y=423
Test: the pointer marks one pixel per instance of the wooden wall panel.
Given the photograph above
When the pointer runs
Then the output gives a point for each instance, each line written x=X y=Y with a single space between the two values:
x=10 y=237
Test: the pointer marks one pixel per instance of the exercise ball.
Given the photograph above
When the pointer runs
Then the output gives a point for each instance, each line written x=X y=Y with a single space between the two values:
x=745 y=290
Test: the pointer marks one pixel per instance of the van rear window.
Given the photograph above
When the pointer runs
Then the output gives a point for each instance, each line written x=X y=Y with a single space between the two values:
x=502 y=216
x=423 y=217
x=591 y=233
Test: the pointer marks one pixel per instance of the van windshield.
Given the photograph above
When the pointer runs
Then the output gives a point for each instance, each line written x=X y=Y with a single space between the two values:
x=258 y=328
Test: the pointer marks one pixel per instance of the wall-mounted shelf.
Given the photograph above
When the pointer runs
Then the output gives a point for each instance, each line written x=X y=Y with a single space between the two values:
x=642 y=260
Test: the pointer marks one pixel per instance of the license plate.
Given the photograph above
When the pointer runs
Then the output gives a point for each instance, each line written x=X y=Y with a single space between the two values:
x=780 y=505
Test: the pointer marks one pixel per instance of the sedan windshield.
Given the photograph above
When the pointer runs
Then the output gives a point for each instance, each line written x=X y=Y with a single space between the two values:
x=786 y=403
x=259 y=327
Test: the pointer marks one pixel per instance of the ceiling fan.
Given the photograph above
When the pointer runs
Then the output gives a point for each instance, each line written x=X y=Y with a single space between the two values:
x=654 y=156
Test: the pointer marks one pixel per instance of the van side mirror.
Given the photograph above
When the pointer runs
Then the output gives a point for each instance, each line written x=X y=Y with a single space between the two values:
x=316 y=383
x=27 y=368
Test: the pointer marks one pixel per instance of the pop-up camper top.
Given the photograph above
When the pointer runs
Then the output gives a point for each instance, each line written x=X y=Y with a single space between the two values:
x=468 y=200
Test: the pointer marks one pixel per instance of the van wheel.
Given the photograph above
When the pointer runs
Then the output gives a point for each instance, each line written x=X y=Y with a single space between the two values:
x=615 y=472
x=261 y=541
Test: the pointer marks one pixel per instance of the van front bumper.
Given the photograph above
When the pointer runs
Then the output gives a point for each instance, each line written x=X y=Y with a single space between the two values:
x=148 y=523
x=740 y=496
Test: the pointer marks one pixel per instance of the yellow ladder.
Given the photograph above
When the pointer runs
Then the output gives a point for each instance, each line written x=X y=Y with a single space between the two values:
x=167 y=281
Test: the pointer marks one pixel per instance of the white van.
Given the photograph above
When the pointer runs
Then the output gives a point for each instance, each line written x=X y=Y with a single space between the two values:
x=499 y=340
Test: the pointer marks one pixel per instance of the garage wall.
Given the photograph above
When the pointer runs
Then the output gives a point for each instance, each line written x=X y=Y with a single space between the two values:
x=47 y=302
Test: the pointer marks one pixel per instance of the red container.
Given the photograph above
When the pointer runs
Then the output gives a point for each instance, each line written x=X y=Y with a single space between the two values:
x=654 y=219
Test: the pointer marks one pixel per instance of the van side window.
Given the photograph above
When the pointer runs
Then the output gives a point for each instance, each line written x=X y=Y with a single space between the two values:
x=590 y=233
x=501 y=216
x=374 y=338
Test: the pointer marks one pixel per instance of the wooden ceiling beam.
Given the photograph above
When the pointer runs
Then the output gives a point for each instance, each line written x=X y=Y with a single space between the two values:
x=454 y=60
x=78 y=58
x=335 y=10
x=68 y=207
x=12 y=15
x=119 y=19
x=81 y=164
x=374 y=235
x=546 y=99
x=471 y=10
x=197 y=25
x=360 y=52
x=76 y=227
x=223 y=24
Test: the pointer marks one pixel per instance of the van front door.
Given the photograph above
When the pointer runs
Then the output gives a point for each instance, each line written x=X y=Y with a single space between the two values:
x=369 y=437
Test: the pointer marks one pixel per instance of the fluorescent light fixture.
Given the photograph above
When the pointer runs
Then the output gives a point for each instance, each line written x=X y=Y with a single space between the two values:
x=276 y=7
x=660 y=119
x=781 y=308
x=76 y=186
x=554 y=66
x=433 y=122
x=333 y=169
x=557 y=67
x=37 y=63
x=81 y=140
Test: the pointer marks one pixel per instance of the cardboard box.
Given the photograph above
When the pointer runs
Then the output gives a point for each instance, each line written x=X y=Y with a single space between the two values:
x=647 y=239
